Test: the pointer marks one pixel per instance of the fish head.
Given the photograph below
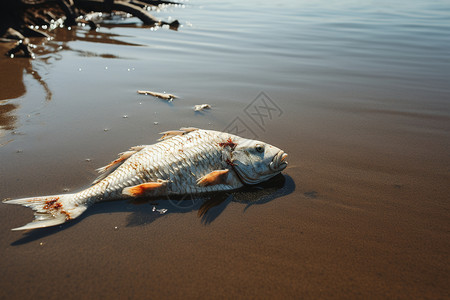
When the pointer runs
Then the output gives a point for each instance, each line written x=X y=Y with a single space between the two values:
x=256 y=161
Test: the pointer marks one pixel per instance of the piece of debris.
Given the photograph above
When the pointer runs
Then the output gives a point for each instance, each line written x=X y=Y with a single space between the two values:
x=168 y=97
x=20 y=19
x=201 y=107
x=161 y=211
x=5 y=143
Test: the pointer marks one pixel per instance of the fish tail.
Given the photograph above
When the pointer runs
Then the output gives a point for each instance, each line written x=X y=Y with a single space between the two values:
x=50 y=210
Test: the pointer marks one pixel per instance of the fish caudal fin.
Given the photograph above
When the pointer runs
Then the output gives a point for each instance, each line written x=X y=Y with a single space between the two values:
x=50 y=210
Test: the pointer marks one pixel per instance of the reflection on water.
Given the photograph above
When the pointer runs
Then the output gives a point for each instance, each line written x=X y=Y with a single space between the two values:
x=6 y=119
x=11 y=82
x=13 y=70
x=12 y=87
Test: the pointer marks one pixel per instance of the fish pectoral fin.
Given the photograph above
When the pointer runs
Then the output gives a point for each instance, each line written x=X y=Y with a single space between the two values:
x=145 y=189
x=213 y=178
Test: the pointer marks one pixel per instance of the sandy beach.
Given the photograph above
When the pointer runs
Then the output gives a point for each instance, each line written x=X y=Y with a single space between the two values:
x=358 y=96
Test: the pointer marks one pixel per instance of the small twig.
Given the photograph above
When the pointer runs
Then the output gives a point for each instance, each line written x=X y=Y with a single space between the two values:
x=164 y=96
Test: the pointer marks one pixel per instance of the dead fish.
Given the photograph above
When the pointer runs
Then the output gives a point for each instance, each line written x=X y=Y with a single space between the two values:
x=201 y=107
x=164 y=96
x=185 y=161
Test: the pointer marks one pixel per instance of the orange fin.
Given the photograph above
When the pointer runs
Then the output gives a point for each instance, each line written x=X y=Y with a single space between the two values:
x=213 y=178
x=122 y=156
x=145 y=189
x=170 y=133
x=108 y=169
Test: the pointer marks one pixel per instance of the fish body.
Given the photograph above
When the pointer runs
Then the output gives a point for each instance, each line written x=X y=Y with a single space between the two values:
x=188 y=161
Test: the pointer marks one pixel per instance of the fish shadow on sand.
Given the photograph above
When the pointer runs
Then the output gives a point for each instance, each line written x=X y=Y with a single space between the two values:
x=146 y=210
x=210 y=206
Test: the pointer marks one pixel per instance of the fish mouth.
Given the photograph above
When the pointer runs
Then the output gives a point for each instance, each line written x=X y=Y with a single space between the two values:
x=279 y=162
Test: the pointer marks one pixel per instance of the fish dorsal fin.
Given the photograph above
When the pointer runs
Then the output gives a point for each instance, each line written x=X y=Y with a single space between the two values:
x=171 y=133
x=122 y=157
x=189 y=129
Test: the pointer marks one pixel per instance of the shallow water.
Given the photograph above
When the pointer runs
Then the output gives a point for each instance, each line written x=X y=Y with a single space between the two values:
x=357 y=93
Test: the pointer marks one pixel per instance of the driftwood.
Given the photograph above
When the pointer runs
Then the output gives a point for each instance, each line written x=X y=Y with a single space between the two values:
x=168 y=97
x=20 y=19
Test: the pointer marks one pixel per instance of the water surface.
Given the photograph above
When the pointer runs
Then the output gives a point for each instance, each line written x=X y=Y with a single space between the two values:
x=360 y=99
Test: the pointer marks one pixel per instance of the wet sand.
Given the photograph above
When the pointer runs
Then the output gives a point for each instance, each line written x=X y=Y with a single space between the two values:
x=361 y=211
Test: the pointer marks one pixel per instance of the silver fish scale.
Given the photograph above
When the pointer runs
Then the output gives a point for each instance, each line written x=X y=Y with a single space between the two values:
x=181 y=160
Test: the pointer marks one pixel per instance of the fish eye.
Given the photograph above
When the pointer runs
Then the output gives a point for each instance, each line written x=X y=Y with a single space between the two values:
x=259 y=148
